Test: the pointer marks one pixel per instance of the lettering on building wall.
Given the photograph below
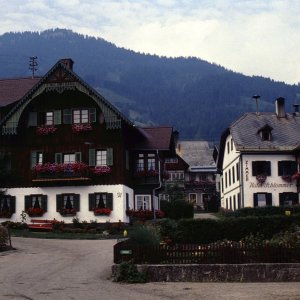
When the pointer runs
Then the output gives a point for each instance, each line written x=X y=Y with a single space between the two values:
x=270 y=185
x=247 y=170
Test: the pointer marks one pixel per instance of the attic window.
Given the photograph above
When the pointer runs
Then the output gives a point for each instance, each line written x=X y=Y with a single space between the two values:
x=265 y=133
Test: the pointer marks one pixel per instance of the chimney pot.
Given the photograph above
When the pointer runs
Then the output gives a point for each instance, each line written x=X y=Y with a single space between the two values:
x=68 y=63
x=280 y=111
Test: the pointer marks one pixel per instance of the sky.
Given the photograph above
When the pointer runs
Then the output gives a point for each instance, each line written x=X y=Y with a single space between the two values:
x=247 y=36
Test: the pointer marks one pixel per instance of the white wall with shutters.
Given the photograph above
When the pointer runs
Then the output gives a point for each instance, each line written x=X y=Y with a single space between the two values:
x=119 y=202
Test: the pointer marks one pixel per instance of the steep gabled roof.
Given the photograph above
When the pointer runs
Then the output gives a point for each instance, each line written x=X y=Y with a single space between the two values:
x=63 y=66
x=13 y=90
x=156 y=138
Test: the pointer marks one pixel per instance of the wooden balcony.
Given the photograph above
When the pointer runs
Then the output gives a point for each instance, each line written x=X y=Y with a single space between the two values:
x=60 y=177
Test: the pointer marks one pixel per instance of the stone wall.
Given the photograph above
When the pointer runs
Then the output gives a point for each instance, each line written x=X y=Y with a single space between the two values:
x=219 y=272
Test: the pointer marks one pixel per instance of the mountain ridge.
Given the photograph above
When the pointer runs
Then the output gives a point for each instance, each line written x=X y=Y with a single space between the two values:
x=198 y=98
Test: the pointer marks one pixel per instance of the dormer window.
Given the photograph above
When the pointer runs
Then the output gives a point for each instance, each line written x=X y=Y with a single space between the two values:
x=265 y=133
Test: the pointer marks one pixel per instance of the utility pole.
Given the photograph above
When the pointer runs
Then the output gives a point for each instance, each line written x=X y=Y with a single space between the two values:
x=33 y=64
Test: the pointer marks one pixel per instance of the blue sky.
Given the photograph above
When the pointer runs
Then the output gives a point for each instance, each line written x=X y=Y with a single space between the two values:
x=248 y=36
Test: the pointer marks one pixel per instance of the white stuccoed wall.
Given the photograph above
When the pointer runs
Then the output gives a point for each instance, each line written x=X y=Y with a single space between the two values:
x=119 y=202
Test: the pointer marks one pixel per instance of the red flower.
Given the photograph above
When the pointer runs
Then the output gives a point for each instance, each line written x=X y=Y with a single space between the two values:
x=99 y=170
x=35 y=211
x=102 y=211
x=76 y=128
x=45 y=129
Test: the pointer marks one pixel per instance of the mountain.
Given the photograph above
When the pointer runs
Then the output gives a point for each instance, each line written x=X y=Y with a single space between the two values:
x=198 y=98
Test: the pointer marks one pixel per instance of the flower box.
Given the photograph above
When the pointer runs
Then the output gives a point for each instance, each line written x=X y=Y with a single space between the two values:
x=45 y=129
x=100 y=170
x=35 y=212
x=144 y=214
x=77 y=128
x=102 y=211
x=68 y=212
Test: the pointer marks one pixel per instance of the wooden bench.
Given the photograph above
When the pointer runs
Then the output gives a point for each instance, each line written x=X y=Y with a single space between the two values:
x=37 y=224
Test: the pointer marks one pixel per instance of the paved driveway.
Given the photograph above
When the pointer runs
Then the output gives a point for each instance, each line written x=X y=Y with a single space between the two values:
x=67 y=269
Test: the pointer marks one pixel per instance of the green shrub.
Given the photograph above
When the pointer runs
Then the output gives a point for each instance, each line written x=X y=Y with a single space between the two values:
x=147 y=235
x=128 y=273
x=178 y=209
x=207 y=231
x=3 y=235
x=167 y=228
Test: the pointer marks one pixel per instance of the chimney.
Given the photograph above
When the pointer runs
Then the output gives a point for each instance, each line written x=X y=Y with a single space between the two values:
x=296 y=109
x=68 y=62
x=280 y=107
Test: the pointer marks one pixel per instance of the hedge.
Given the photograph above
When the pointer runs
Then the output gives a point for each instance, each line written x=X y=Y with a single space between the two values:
x=178 y=209
x=262 y=211
x=205 y=231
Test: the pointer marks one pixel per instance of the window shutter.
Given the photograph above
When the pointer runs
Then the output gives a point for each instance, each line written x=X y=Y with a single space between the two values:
x=109 y=157
x=268 y=168
x=127 y=201
x=67 y=118
x=59 y=202
x=281 y=198
x=92 y=203
x=92 y=115
x=269 y=199
x=295 y=198
x=32 y=118
x=127 y=159
x=44 y=202
x=254 y=168
x=280 y=168
x=28 y=202
x=77 y=202
x=78 y=156
x=294 y=167
x=57 y=117
x=92 y=157
x=255 y=200
x=13 y=204
x=58 y=158
x=109 y=201
x=33 y=159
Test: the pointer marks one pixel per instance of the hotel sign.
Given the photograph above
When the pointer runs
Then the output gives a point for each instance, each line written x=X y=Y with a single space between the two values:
x=270 y=185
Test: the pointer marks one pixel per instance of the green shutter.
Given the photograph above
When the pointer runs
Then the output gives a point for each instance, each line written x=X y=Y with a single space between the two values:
x=33 y=159
x=92 y=203
x=67 y=116
x=78 y=156
x=28 y=202
x=32 y=118
x=12 y=204
x=255 y=201
x=57 y=117
x=92 y=157
x=59 y=202
x=44 y=202
x=58 y=158
x=254 y=168
x=109 y=201
x=294 y=167
x=268 y=168
x=269 y=199
x=280 y=168
x=109 y=157
x=92 y=115
x=77 y=202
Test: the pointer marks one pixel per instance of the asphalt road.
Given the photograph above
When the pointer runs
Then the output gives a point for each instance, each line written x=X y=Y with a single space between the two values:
x=71 y=269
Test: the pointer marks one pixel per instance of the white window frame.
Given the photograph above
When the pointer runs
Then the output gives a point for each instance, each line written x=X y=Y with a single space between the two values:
x=49 y=118
x=143 y=202
x=80 y=116
x=69 y=158
x=190 y=198
x=101 y=157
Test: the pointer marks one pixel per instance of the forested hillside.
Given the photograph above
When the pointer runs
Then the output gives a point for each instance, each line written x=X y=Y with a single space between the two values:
x=198 y=98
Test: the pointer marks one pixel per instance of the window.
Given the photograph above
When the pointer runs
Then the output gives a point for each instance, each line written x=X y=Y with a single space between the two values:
x=80 y=116
x=231 y=141
x=287 y=167
x=233 y=175
x=146 y=161
x=127 y=201
x=265 y=133
x=228 y=147
x=69 y=158
x=49 y=118
x=262 y=199
x=67 y=202
x=230 y=203
x=32 y=118
x=237 y=172
x=171 y=161
x=226 y=203
x=222 y=185
x=225 y=179
x=36 y=158
x=101 y=158
x=261 y=168
x=36 y=202
x=143 y=202
x=229 y=177
x=234 y=203
x=192 y=197
x=177 y=176
x=239 y=201
x=100 y=200
x=288 y=199
x=7 y=206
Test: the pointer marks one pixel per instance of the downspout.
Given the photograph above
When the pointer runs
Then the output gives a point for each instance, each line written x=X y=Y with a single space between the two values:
x=157 y=188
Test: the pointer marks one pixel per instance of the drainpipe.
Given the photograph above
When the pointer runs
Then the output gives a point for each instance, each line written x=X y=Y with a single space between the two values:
x=157 y=188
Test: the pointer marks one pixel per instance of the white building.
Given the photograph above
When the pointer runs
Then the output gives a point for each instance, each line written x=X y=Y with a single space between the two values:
x=258 y=156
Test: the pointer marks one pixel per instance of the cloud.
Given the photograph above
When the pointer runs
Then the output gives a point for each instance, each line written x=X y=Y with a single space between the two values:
x=253 y=37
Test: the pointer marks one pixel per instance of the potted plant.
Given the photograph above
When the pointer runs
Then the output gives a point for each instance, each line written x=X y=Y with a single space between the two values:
x=100 y=170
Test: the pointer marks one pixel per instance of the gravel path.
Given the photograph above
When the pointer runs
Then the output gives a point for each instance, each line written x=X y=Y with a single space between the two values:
x=72 y=269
